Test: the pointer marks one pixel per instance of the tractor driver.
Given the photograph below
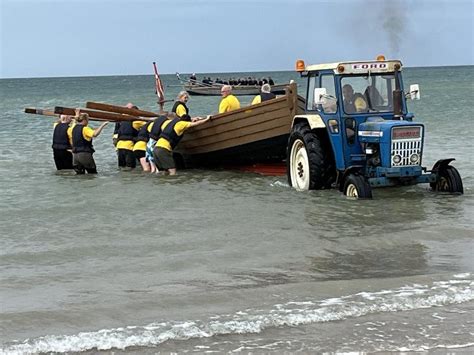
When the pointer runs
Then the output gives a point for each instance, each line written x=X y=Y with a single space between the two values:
x=353 y=102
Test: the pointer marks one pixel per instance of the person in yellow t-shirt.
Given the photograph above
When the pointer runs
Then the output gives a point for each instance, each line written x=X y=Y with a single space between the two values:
x=229 y=102
x=172 y=132
x=353 y=102
x=126 y=135
x=82 y=148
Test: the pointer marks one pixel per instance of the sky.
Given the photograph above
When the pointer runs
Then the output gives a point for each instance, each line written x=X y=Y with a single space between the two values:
x=52 y=38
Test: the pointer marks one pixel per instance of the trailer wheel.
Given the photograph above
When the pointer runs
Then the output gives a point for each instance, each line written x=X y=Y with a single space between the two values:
x=308 y=164
x=448 y=180
x=356 y=186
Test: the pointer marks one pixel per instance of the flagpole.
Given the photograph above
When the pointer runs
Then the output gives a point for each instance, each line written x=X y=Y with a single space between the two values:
x=159 y=88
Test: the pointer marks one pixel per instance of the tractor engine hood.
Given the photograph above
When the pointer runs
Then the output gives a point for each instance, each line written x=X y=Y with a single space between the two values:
x=376 y=129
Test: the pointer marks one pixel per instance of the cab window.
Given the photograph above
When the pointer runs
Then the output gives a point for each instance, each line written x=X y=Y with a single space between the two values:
x=312 y=84
x=329 y=102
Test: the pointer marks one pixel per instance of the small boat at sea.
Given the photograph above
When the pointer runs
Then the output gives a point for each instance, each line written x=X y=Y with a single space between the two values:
x=250 y=135
x=238 y=90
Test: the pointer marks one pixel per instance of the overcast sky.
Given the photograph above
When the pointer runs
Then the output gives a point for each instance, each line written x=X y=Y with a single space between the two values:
x=44 y=38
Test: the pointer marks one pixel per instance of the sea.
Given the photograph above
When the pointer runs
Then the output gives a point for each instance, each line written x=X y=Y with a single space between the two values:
x=218 y=261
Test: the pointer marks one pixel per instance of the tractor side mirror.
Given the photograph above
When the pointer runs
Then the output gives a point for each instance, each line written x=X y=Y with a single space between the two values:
x=319 y=94
x=414 y=92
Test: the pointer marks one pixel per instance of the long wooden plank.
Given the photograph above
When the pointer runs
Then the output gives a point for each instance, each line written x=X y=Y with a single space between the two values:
x=120 y=109
x=49 y=113
x=116 y=117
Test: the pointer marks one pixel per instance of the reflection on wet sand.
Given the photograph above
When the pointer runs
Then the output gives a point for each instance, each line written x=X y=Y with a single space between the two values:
x=396 y=261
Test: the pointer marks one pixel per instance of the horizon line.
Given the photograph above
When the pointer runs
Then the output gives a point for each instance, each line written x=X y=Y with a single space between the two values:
x=201 y=73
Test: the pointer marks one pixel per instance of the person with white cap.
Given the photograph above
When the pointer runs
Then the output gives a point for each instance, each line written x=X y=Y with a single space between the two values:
x=265 y=95
x=62 y=144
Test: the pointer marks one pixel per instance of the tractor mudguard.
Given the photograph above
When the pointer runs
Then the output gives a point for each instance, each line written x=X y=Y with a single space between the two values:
x=441 y=164
x=342 y=177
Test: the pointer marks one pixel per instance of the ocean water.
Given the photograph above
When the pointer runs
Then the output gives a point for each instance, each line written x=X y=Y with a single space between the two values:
x=224 y=261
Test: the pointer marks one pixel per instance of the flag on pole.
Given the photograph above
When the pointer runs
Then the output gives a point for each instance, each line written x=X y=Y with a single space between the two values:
x=160 y=93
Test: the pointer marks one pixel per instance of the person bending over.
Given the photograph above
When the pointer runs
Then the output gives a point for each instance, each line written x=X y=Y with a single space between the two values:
x=172 y=132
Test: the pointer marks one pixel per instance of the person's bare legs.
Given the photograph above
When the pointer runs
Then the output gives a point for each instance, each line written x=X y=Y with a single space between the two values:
x=145 y=164
x=172 y=171
x=154 y=169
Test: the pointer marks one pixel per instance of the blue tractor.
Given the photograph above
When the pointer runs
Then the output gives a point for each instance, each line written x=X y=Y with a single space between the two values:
x=356 y=132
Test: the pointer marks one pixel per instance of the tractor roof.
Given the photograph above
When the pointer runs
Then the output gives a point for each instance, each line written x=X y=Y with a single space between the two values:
x=358 y=67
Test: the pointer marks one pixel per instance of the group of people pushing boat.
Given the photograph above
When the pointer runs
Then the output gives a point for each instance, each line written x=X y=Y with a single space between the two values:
x=149 y=142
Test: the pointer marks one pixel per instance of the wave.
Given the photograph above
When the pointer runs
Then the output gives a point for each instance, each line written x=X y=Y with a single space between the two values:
x=294 y=313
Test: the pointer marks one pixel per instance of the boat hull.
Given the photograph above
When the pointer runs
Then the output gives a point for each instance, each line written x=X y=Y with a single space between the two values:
x=238 y=90
x=253 y=134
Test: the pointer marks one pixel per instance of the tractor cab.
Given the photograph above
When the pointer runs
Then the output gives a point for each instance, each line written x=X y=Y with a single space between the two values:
x=356 y=127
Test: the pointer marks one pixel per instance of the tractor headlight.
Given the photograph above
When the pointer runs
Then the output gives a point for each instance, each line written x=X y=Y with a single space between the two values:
x=414 y=158
x=396 y=159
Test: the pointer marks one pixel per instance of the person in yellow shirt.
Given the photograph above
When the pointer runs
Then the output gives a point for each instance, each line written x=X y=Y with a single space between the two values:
x=266 y=94
x=353 y=102
x=229 y=102
x=126 y=135
x=180 y=107
x=82 y=148
x=172 y=132
x=139 y=148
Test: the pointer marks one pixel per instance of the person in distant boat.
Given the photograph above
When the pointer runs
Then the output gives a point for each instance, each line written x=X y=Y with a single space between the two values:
x=270 y=81
x=193 y=79
x=126 y=135
x=229 y=102
x=180 y=107
x=62 y=144
x=172 y=132
x=353 y=102
x=82 y=149
x=265 y=95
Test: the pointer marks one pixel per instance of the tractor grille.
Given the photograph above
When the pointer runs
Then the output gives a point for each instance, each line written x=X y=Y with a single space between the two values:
x=406 y=146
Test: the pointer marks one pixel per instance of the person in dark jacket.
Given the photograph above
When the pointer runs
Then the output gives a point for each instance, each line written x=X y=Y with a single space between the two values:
x=180 y=108
x=62 y=144
x=82 y=148
x=265 y=94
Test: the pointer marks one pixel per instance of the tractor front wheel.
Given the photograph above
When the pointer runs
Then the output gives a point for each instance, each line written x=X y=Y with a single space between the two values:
x=356 y=186
x=448 y=180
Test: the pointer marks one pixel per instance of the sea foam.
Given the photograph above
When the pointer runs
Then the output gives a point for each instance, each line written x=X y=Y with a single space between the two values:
x=292 y=313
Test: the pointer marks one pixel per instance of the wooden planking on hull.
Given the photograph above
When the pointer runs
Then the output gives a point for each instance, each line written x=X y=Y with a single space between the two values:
x=247 y=125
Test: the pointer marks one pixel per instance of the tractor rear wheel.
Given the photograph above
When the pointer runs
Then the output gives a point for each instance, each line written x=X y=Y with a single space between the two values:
x=309 y=162
x=448 y=180
x=356 y=186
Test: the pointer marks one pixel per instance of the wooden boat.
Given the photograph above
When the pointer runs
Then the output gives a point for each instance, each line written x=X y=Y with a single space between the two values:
x=238 y=90
x=250 y=135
